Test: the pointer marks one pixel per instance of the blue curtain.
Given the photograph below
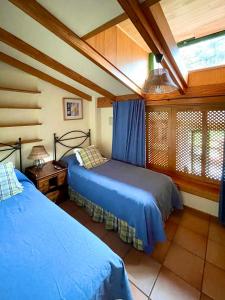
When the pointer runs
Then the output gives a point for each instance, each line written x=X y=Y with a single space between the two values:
x=222 y=194
x=129 y=132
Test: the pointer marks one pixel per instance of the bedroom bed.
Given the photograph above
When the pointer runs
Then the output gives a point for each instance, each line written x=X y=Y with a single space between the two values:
x=47 y=254
x=132 y=200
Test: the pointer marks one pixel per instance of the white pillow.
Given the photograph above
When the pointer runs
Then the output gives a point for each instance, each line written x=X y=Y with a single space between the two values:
x=78 y=157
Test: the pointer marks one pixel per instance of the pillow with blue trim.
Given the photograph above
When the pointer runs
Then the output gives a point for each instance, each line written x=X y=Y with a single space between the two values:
x=9 y=184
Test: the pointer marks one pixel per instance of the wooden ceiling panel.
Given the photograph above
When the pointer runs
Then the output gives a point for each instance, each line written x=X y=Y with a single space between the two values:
x=128 y=28
x=194 y=18
x=186 y=18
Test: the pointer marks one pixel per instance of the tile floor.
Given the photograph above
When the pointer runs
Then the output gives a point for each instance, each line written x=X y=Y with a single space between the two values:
x=189 y=265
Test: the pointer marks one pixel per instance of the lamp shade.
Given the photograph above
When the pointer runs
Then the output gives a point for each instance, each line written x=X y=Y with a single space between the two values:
x=38 y=152
x=159 y=82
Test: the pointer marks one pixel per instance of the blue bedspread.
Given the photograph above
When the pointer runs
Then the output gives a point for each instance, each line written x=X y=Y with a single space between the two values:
x=140 y=197
x=47 y=255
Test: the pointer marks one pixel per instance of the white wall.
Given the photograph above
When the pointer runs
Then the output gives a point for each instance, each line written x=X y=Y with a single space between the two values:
x=105 y=130
x=199 y=203
x=51 y=114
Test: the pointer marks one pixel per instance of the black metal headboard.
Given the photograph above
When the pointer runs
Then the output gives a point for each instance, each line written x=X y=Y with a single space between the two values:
x=82 y=136
x=10 y=149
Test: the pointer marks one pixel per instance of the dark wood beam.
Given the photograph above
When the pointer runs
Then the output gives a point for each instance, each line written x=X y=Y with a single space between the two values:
x=45 y=18
x=25 y=48
x=160 y=26
x=194 y=95
x=143 y=20
x=116 y=20
x=43 y=76
x=107 y=102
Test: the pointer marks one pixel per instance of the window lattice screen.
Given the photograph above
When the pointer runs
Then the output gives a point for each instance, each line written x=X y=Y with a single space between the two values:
x=157 y=132
x=214 y=144
x=189 y=142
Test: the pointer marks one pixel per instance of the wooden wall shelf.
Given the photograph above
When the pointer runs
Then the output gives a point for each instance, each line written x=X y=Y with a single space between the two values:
x=8 y=89
x=19 y=124
x=23 y=142
x=18 y=107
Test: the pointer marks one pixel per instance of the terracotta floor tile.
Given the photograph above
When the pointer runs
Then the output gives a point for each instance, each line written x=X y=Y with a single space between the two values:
x=170 y=229
x=216 y=254
x=194 y=242
x=214 y=282
x=80 y=215
x=136 y=293
x=97 y=228
x=142 y=270
x=197 y=213
x=160 y=251
x=195 y=223
x=217 y=233
x=116 y=244
x=185 y=264
x=214 y=219
x=69 y=205
x=176 y=216
x=170 y=287
x=205 y=297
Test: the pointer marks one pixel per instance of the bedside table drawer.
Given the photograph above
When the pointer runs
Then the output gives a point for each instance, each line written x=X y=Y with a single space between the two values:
x=61 y=178
x=53 y=196
x=43 y=185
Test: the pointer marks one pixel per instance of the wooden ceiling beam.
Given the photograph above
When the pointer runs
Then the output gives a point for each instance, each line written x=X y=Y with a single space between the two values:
x=160 y=26
x=46 y=19
x=43 y=76
x=115 y=21
x=107 y=102
x=211 y=93
x=25 y=48
x=152 y=28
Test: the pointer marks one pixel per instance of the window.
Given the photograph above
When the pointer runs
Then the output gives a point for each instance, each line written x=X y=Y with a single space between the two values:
x=186 y=141
x=203 y=53
x=158 y=138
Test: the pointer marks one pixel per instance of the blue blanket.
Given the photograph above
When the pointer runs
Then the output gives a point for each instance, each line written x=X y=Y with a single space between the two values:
x=142 y=198
x=47 y=255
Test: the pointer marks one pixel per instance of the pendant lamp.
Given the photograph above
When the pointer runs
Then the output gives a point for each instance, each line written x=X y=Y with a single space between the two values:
x=159 y=80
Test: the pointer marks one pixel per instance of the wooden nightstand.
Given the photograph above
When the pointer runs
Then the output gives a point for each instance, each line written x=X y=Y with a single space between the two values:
x=51 y=180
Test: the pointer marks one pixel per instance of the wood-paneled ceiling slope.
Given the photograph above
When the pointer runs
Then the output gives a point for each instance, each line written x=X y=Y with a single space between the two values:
x=48 y=39
x=43 y=42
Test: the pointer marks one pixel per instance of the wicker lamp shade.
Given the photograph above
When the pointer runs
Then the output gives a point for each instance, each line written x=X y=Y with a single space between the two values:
x=159 y=80
x=38 y=152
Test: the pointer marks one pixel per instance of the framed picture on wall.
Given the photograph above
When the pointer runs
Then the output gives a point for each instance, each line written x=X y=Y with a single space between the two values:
x=72 y=108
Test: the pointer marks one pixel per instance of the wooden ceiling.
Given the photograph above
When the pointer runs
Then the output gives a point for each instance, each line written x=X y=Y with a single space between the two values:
x=128 y=27
x=187 y=19
x=47 y=38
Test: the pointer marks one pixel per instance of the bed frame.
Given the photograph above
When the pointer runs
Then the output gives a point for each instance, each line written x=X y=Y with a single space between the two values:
x=10 y=149
x=79 y=135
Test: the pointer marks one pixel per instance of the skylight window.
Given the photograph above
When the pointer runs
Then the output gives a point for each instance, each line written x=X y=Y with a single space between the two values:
x=203 y=53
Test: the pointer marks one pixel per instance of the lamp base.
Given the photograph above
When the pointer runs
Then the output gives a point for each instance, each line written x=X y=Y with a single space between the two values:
x=39 y=163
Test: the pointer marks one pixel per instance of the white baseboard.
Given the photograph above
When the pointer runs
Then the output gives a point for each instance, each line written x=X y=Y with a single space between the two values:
x=199 y=203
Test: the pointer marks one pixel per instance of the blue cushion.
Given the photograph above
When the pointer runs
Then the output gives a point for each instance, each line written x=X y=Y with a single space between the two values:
x=9 y=184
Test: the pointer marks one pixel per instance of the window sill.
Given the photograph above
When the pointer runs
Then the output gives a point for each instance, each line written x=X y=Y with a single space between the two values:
x=202 y=189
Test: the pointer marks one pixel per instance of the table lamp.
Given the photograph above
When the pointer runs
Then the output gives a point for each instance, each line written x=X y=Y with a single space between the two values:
x=37 y=154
